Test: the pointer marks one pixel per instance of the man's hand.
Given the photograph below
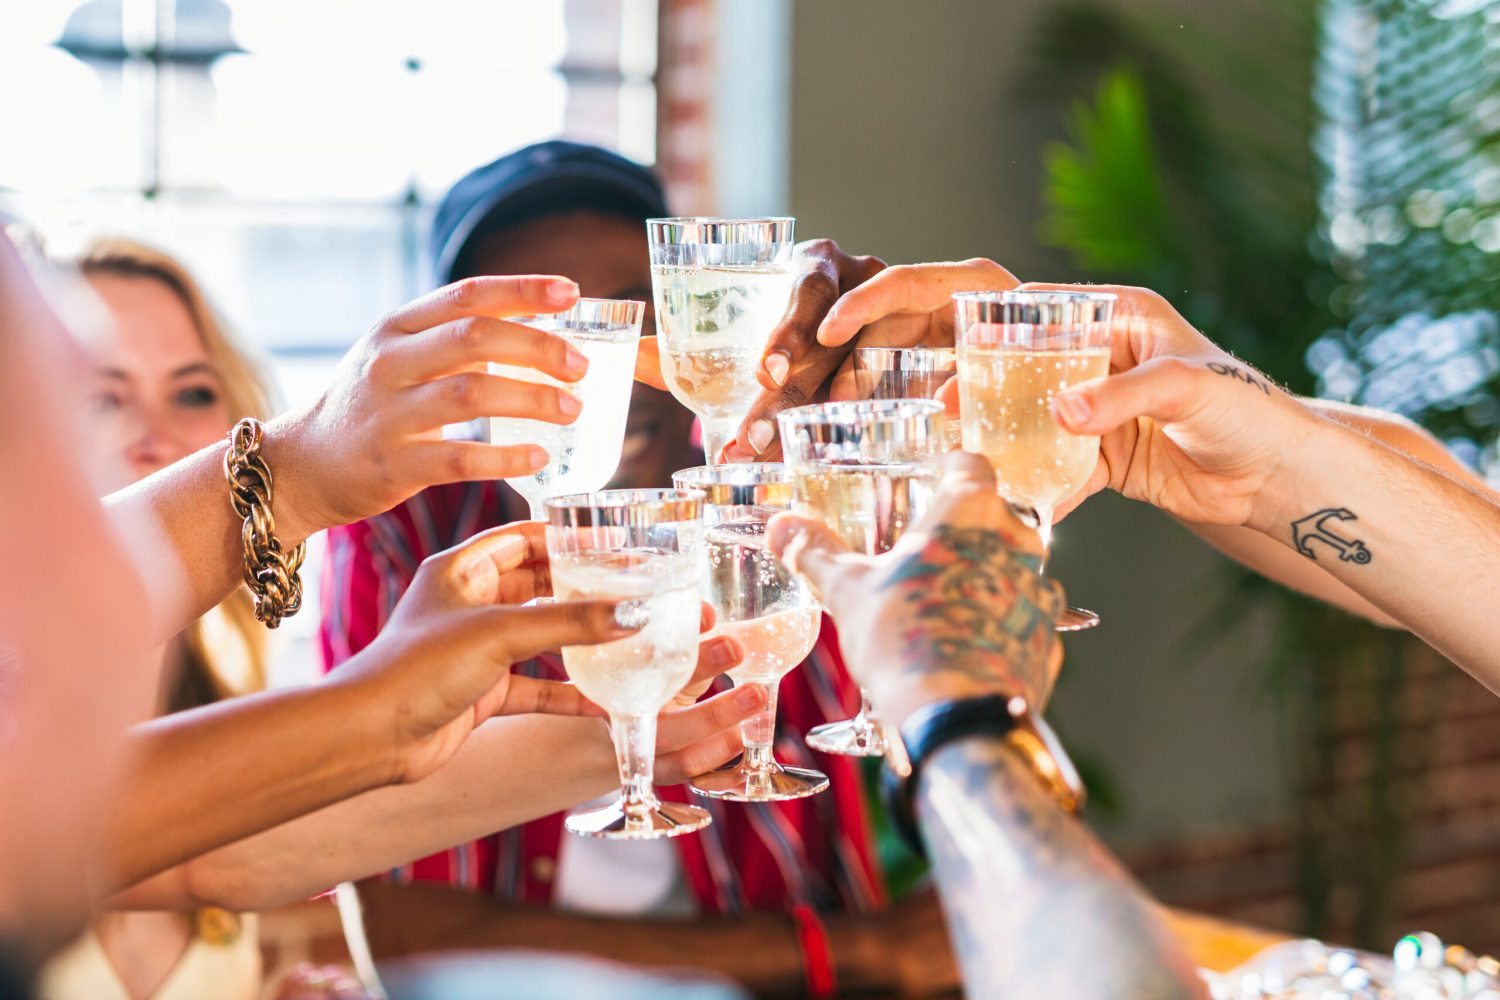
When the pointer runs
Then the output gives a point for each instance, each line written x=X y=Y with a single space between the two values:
x=956 y=608
x=1185 y=426
x=375 y=437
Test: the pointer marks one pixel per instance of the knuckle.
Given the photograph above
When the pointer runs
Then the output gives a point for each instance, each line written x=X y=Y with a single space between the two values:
x=464 y=294
x=462 y=390
x=460 y=463
x=469 y=333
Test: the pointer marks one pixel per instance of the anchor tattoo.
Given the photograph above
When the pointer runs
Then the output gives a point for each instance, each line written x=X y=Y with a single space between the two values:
x=1314 y=527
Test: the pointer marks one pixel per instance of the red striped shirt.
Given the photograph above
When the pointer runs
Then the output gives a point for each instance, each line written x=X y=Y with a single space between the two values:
x=816 y=851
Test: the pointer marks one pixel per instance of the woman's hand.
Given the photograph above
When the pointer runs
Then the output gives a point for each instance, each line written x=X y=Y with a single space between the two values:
x=375 y=437
x=442 y=663
x=1185 y=426
x=957 y=608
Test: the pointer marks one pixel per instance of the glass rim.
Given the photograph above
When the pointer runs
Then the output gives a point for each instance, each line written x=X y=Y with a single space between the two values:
x=739 y=484
x=633 y=311
x=617 y=507
x=920 y=350
x=833 y=412
x=708 y=230
x=1035 y=296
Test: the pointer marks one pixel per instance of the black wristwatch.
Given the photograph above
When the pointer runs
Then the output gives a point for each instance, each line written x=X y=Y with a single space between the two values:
x=1008 y=719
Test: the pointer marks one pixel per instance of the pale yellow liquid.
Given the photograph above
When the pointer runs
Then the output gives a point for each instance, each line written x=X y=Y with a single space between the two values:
x=773 y=643
x=1005 y=399
x=868 y=506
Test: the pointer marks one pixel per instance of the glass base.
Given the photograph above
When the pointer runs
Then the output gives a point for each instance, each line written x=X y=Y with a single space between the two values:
x=667 y=819
x=775 y=784
x=850 y=738
x=1076 y=620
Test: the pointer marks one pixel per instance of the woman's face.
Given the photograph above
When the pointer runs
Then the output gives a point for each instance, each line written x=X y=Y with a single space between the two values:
x=157 y=396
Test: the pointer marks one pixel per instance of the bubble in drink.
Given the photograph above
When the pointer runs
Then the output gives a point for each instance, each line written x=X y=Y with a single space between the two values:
x=868 y=506
x=759 y=602
x=714 y=322
x=1005 y=398
x=637 y=675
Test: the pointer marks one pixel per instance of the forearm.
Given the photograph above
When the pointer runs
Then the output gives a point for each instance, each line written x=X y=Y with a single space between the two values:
x=760 y=950
x=200 y=557
x=1410 y=539
x=258 y=761
x=509 y=771
x=1036 y=906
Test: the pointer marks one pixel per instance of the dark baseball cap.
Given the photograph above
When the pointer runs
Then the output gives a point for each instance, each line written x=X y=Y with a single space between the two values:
x=537 y=180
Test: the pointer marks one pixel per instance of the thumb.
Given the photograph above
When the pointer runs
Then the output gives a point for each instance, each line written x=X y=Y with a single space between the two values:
x=528 y=631
x=810 y=548
x=1166 y=390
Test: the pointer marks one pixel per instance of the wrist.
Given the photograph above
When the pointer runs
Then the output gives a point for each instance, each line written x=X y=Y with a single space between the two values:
x=293 y=473
x=898 y=696
x=372 y=717
x=1305 y=479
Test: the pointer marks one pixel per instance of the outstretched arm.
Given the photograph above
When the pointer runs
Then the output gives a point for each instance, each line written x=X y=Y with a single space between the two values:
x=1036 y=906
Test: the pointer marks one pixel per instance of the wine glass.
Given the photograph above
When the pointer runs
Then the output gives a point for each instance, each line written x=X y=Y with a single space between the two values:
x=642 y=545
x=907 y=373
x=1016 y=350
x=721 y=287
x=585 y=453
x=770 y=610
x=868 y=469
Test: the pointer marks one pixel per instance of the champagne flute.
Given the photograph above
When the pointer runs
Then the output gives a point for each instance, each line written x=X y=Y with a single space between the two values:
x=1016 y=350
x=868 y=469
x=721 y=287
x=769 y=609
x=907 y=373
x=584 y=454
x=641 y=545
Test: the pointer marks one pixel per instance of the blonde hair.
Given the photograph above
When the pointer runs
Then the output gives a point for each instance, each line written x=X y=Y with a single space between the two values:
x=223 y=654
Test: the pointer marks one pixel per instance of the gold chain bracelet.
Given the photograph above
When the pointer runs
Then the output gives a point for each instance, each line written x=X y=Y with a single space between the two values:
x=270 y=573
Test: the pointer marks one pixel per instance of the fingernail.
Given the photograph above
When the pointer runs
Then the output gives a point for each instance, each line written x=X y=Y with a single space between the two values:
x=761 y=434
x=777 y=366
x=568 y=404
x=561 y=291
x=632 y=615
x=538 y=458
x=1074 y=407
x=575 y=363
x=749 y=696
x=723 y=653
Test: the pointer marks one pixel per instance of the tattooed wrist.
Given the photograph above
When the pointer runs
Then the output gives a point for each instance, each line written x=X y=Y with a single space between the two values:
x=1239 y=374
x=1317 y=527
x=975 y=612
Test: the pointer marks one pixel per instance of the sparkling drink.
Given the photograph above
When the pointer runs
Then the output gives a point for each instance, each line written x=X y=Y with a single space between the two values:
x=714 y=323
x=585 y=453
x=868 y=506
x=637 y=675
x=1005 y=398
x=721 y=286
x=769 y=611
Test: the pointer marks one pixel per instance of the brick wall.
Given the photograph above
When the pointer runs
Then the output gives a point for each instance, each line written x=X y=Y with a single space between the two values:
x=1444 y=786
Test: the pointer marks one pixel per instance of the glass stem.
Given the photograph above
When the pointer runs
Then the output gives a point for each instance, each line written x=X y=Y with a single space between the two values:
x=635 y=752
x=717 y=432
x=538 y=509
x=758 y=733
x=1044 y=532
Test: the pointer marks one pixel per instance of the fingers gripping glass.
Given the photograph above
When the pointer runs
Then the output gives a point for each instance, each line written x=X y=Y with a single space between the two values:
x=1016 y=351
x=721 y=287
x=582 y=456
x=644 y=546
x=767 y=608
x=868 y=469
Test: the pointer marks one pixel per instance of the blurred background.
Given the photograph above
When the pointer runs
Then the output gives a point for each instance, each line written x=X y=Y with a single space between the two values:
x=1316 y=183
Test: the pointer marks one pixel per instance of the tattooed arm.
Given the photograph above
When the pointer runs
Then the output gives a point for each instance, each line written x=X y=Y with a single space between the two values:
x=1201 y=435
x=1036 y=906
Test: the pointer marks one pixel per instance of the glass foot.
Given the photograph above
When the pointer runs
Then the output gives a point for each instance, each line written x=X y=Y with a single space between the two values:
x=850 y=738
x=738 y=784
x=1076 y=620
x=666 y=819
